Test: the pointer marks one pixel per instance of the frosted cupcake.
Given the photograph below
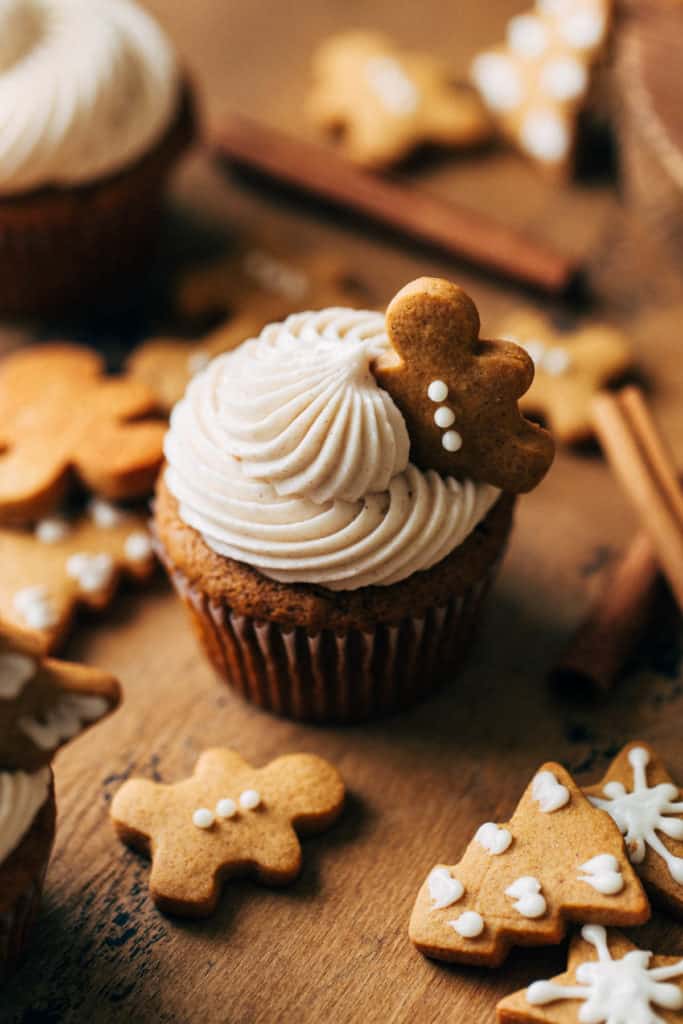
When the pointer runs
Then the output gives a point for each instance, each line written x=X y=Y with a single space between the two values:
x=338 y=496
x=94 y=113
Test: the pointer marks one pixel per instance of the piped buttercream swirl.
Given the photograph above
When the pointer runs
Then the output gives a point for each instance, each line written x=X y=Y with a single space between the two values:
x=287 y=455
x=86 y=88
x=22 y=794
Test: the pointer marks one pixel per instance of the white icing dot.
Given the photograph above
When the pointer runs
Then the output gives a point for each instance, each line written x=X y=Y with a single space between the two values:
x=437 y=391
x=545 y=136
x=452 y=441
x=443 y=888
x=583 y=29
x=495 y=840
x=276 y=276
x=535 y=349
x=444 y=417
x=603 y=873
x=15 y=671
x=198 y=361
x=203 y=818
x=250 y=799
x=527 y=35
x=52 y=530
x=564 y=79
x=104 y=514
x=498 y=80
x=36 y=607
x=91 y=572
x=226 y=808
x=138 y=546
x=549 y=794
x=470 y=924
x=526 y=892
x=396 y=91
x=556 y=361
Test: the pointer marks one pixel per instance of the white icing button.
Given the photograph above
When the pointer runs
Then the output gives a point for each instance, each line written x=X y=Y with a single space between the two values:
x=499 y=82
x=392 y=86
x=50 y=531
x=198 y=361
x=452 y=441
x=91 y=572
x=138 y=546
x=104 y=514
x=15 y=671
x=549 y=794
x=526 y=892
x=443 y=888
x=545 y=135
x=36 y=607
x=564 y=79
x=444 y=417
x=527 y=35
x=437 y=391
x=226 y=808
x=203 y=818
x=250 y=799
x=470 y=924
x=556 y=361
x=603 y=873
x=495 y=840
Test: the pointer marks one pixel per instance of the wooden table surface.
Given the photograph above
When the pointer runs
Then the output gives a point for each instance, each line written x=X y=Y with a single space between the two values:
x=334 y=945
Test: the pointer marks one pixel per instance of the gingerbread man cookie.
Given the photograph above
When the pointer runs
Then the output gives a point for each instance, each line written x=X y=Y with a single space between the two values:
x=571 y=367
x=641 y=797
x=67 y=562
x=557 y=860
x=383 y=101
x=227 y=819
x=45 y=703
x=537 y=82
x=457 y=393
x=60 y=419
x=608 y=980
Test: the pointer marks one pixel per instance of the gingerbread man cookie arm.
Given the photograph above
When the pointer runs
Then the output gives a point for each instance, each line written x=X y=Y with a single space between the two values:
x=311 y=788
x=138 y=812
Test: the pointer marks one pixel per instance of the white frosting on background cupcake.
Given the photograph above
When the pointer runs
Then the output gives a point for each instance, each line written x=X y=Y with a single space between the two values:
x=287 y=455
x=22 y=794
x=87 y=87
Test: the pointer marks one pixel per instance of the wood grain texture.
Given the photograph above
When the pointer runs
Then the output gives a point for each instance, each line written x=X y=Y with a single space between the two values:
x=334 y=946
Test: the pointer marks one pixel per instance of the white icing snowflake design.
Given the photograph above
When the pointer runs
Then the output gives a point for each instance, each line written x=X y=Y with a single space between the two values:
x=642 y=812
x=615 y=991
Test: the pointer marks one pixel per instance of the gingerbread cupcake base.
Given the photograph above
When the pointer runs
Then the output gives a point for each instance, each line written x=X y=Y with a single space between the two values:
x=316 y=655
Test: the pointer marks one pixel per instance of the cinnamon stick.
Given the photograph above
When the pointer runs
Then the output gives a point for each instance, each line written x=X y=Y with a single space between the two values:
x=451 y=228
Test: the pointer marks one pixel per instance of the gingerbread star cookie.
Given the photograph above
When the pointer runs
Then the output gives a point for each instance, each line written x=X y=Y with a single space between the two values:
x=557 y=860
x=458 y=394
x=383 y=101
x=227 y=819
x=643 y=800
x=571 y=367
x=608 y=980
x=68 y=562
x=62 y=419
x=537 y=82
x=45 y=703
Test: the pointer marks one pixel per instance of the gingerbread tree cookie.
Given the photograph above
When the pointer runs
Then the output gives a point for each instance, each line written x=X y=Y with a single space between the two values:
x=227 y=819
x=383 y=101
x=457 y=393
x=557 y=860
x=60 y=419
x=571 y=367
x=69 y=562
x=641 y=797
x=608 y=981
x=45 y=703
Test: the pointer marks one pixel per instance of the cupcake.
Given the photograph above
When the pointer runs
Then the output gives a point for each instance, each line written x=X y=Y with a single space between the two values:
x=337 y=498
x=43 y=704
x=94 y=112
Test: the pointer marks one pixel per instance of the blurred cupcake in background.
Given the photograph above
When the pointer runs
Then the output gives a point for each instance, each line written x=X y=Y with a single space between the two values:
x=94 y=113
x=328 y=576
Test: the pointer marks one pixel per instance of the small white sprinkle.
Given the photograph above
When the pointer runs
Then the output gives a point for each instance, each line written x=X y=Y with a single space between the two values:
x=50 y=531
x=91 y=572
x=138 y=546
x=444 y=417
x=545 y=135
x=498 y=81
x=437 y=391
x=452 y=441
x=104 y=514
x=527 y=35
x=226 y=808
x=583 y=29
x=564 y=79
x=203 y=818
x=470 y=924
x=36 y=607
x=556 y=361
x=250 y=799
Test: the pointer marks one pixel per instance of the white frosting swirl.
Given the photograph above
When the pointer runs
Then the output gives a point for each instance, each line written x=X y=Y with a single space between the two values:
x=86 y=87
x=22 y=794
x=287 y=455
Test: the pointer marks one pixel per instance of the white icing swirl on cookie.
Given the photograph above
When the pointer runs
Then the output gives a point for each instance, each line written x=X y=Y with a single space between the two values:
x=22 y=794
x=287 y=455
x=86 y=88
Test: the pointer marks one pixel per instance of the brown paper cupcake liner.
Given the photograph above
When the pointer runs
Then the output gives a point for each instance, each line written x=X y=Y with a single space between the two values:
x=16 y=924
x=335 y=676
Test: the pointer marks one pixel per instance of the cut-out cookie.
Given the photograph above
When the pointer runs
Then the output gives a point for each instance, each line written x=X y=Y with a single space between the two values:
x=564 y=861
x=571 y=367
x=382 y=101
x=227 y=819
x=64 y=563
x=538 y=81
x=640 y=795
x=608 y=981
x=62 y=419
x=458 y=394
x=45 y=703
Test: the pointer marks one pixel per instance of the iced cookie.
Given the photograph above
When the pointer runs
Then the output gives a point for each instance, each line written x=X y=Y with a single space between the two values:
x=383 y=101
x=557 y=860
x=227 y=819
x=640 y=795
x=608 y=979
x=66 y=562
x=61 y=420
x=571 y=367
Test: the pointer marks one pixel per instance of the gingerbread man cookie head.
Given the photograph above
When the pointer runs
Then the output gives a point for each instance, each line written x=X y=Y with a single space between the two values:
x=457 y=393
